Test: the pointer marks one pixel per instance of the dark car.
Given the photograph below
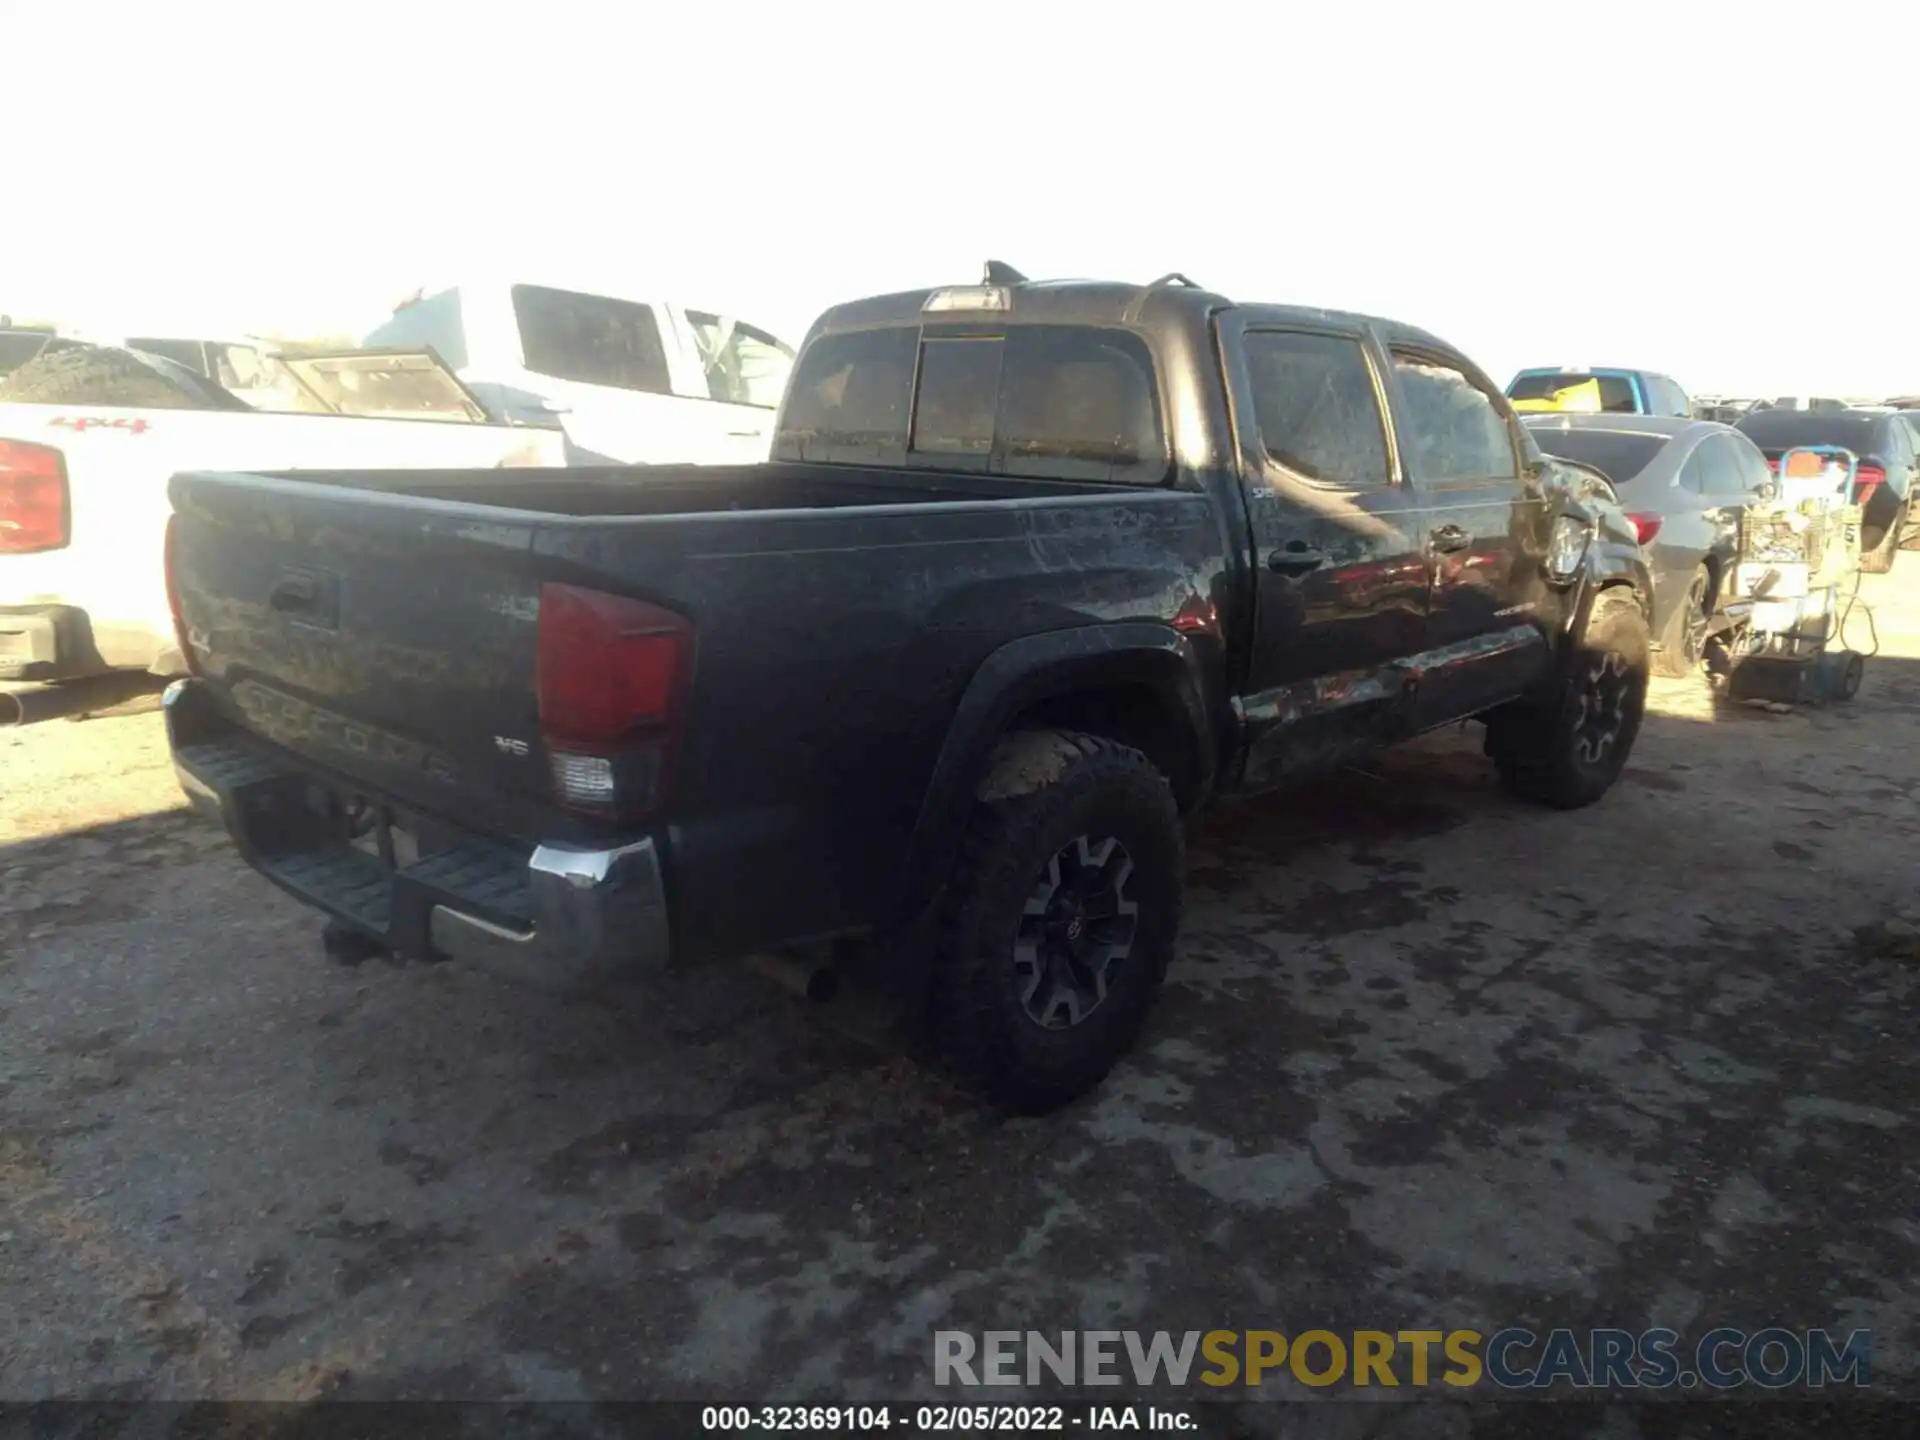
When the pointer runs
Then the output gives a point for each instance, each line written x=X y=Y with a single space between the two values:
x=1888 y=453
x=1036 y=569
x=1685 y=485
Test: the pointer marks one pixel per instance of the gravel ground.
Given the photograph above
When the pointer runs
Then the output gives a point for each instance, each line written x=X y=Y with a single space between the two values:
x=1429 y=1059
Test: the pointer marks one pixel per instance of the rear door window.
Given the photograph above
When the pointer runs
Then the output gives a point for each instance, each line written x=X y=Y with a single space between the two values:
x=744 y=365
x=1058 y=402
x=591 y=339
x=1754 y=474
x=1317 y=407
x=1720 y=472
x=1666 y=397
x=1452 y=431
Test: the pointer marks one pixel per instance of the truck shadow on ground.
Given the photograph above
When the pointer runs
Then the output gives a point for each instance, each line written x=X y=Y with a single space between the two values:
x=1429 y=1056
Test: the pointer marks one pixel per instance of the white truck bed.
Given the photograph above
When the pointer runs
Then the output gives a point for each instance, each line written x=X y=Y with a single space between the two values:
x=98 y=602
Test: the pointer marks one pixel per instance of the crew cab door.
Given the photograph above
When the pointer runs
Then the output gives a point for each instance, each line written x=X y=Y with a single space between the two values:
x=1487 y=523
x=740 y=371
x=1340 y=585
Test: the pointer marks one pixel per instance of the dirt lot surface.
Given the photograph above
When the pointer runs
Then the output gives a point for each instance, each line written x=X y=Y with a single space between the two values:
x=1430 y=1059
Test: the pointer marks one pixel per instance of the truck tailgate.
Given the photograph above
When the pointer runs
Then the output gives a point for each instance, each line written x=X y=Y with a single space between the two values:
x=388 y=642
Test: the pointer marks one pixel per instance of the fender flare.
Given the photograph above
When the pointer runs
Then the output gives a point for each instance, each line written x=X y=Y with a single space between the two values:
x=1036 y=668
x=1611 y=566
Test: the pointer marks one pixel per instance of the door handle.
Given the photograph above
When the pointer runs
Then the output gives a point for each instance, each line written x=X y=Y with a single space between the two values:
x=1295 y=559
x=746 y=434
x=1449 y=538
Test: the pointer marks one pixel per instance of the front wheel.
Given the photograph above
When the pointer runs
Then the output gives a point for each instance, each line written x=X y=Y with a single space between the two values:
x=1567 y=749
x=1060 y=918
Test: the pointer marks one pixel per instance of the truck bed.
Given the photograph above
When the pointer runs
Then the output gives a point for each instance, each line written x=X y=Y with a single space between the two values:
x=839 y=615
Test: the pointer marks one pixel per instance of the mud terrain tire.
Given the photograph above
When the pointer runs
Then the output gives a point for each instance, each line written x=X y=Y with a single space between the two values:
x=1060 y=919
x=1566 y=749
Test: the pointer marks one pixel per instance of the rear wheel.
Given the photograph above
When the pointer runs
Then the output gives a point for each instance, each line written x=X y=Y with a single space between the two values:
x=1566 y=750
x=1059 y=921
x=1684 y=642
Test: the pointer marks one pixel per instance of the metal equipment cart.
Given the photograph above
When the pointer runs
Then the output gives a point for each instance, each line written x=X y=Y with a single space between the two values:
x=1797 y=578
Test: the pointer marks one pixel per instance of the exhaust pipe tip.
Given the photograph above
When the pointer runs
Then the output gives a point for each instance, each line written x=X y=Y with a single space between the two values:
x=115 y=692
x=810 y=980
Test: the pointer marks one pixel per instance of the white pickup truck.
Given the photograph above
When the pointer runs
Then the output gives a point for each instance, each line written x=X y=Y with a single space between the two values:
x=632 y=381
x=83 y=482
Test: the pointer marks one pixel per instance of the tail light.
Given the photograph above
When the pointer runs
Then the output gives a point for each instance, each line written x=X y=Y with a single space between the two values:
x=613 y=677
x=1645 y=527
x=173 y=595
x=1865 y=480
x=34 y=513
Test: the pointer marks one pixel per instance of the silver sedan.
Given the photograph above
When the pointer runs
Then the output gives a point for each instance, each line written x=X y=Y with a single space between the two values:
x=1685 y=483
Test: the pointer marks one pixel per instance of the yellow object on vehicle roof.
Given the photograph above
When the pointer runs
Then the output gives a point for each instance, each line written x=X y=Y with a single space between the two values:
x=1582 y=399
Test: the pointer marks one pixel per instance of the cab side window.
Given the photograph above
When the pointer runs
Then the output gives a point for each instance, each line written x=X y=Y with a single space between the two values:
x=1720 y=472
x=1452 y=429
x=1317 y=408
x=1665 y=397
x=1754 y=474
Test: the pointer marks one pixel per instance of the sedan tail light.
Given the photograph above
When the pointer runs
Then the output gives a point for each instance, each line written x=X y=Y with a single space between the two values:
x=1645 y=527
x=34 y=508
x=1866 y=480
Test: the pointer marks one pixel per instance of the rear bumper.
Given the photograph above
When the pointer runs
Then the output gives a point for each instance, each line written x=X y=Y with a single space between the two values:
x=61 y=642
x=555 y=916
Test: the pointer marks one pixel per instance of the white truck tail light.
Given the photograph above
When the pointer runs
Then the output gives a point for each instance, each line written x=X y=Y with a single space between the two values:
x=35 y=512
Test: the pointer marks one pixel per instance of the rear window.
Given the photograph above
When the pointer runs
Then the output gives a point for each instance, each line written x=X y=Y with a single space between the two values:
x=1777 y=430
x=1616 y=391
x=19 y=346
x=1052 y=402
x=181 y=352
x=1617 y=454
x=591 y=339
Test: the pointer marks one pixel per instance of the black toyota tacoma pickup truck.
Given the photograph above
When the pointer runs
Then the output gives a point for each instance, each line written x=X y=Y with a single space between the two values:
x=1037 y=569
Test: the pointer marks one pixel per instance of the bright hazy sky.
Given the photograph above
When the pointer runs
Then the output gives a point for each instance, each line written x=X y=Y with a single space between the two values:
x=1729 y=192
